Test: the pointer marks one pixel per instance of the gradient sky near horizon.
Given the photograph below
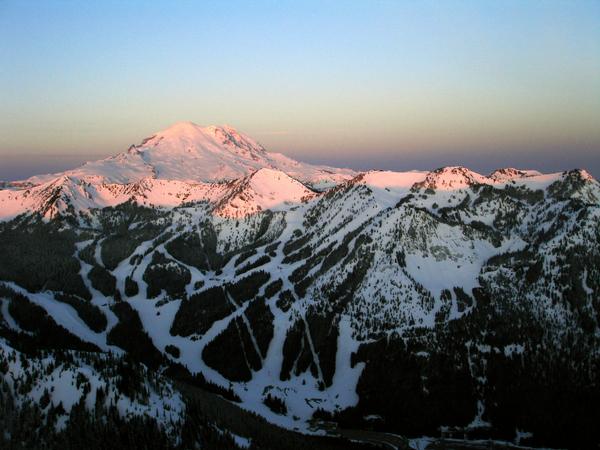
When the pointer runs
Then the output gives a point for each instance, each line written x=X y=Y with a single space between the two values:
x=366 y=84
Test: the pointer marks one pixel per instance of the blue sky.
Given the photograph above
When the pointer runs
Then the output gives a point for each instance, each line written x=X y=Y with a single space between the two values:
x=367 y=84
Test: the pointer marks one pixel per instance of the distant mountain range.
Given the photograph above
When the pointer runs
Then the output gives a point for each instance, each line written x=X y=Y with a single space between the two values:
x=406 y=302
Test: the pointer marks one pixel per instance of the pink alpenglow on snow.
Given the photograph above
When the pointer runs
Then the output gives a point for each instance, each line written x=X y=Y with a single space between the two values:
x=227 y=172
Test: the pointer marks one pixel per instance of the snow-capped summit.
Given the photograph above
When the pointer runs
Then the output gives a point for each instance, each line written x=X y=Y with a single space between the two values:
x=192 y=153
x=450 y=178
x=264 y=189
x=187 y=137
x=510 y=173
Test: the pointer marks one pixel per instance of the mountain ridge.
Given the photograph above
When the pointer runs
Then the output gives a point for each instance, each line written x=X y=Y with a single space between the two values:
x=187 y=162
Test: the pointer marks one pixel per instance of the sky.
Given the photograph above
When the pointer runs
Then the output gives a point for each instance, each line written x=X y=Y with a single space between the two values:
x=364 y=84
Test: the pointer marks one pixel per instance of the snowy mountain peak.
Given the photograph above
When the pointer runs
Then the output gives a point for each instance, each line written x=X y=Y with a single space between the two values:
x=583 y=174
x=264 y=189
x=192 y=130
x=451 y=177
x=268 y=174
x=189 y=137
x=510 y=173
x=183 y=127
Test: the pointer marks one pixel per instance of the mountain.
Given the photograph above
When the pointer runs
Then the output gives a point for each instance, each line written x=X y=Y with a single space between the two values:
x=190 y=153
x=390 y=302
x=265 y=189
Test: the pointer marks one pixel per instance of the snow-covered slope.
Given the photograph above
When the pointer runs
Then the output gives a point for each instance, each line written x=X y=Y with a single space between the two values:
x=59 y=385
x=265 y=189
